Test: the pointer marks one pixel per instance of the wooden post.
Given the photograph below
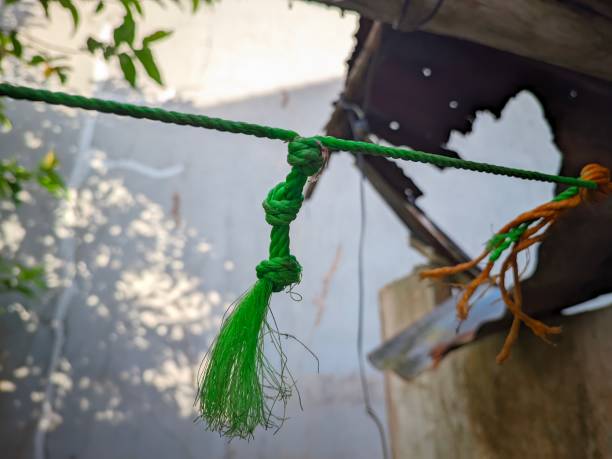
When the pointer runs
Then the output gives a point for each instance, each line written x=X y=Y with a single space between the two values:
x=576 y=34
x=544 y=402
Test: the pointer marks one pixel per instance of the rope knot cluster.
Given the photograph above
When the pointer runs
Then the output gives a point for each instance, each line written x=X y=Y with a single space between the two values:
x=282 y=205
x=600 y=175
x=280 y=271
x=281 y=210
x=305 y=156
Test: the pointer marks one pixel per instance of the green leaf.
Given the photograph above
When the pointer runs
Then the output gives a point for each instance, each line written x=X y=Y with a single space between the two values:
x=148 y=62
x=126 y=31
x=60 y=71
x=48 y=177
x=12 y=177
x=128 y=68
x=17 y=277
x=45 y=7
x=37 y=59
x=67 y=4
x=93 y=45
x=17 y=48
x=109 y=51
x=195 y=4
x=155 y=36
x=135 y=4
x=62 y=75
x=49 y=161
x=53 y=183
x=5 y=122
x=99 y=7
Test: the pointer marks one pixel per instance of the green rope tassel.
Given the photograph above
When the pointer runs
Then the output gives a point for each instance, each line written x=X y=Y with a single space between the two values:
x=240 y=386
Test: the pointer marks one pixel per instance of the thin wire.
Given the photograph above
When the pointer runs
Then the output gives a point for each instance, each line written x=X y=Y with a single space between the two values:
x=362 y=372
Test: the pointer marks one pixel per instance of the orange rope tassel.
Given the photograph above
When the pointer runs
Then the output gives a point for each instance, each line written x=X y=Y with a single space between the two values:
x=521 y=233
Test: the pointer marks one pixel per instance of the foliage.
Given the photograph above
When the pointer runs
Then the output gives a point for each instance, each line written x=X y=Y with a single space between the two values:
x=123 y=48
x=15 y=276
x=13 y=176
x=50 y=61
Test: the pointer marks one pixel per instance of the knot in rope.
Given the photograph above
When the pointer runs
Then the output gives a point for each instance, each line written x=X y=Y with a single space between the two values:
x=600 y=175
x=280 y=271
x=281 y=210
x=305 y=156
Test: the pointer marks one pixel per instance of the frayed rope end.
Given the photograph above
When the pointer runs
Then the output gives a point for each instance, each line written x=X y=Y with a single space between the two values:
x=521 y=233
x=240 y=388
x=231 y=395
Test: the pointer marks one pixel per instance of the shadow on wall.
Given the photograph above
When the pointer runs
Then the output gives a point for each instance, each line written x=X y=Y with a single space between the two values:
x=125 y=323
x=105 y=364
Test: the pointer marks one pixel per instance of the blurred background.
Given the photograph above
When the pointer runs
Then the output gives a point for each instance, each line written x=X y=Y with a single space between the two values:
x=162 y=226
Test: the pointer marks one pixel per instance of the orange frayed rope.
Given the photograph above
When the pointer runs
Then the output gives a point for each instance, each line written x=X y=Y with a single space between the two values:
x=521 y=233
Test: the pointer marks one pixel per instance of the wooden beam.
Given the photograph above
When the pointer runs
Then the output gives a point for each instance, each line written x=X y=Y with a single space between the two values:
x=338 y=123
x=355 y=81
x=576 y=35
x=383 y=174
x=425 y=235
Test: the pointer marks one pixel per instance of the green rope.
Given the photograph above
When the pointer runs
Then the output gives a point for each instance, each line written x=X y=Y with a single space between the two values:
x=238 y=127
x=446 y=161
x=240 y=387
x=566 y=194
x=500 y=242
x=142 y=112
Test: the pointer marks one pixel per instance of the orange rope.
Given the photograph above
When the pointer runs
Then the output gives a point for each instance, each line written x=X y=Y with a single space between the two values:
x=524 y=231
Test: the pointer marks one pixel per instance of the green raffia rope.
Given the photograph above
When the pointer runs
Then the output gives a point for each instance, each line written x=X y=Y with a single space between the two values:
x=334 y=143
x=239 y=386
x=237 y=127
x=500 y=242
x=142 y=112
